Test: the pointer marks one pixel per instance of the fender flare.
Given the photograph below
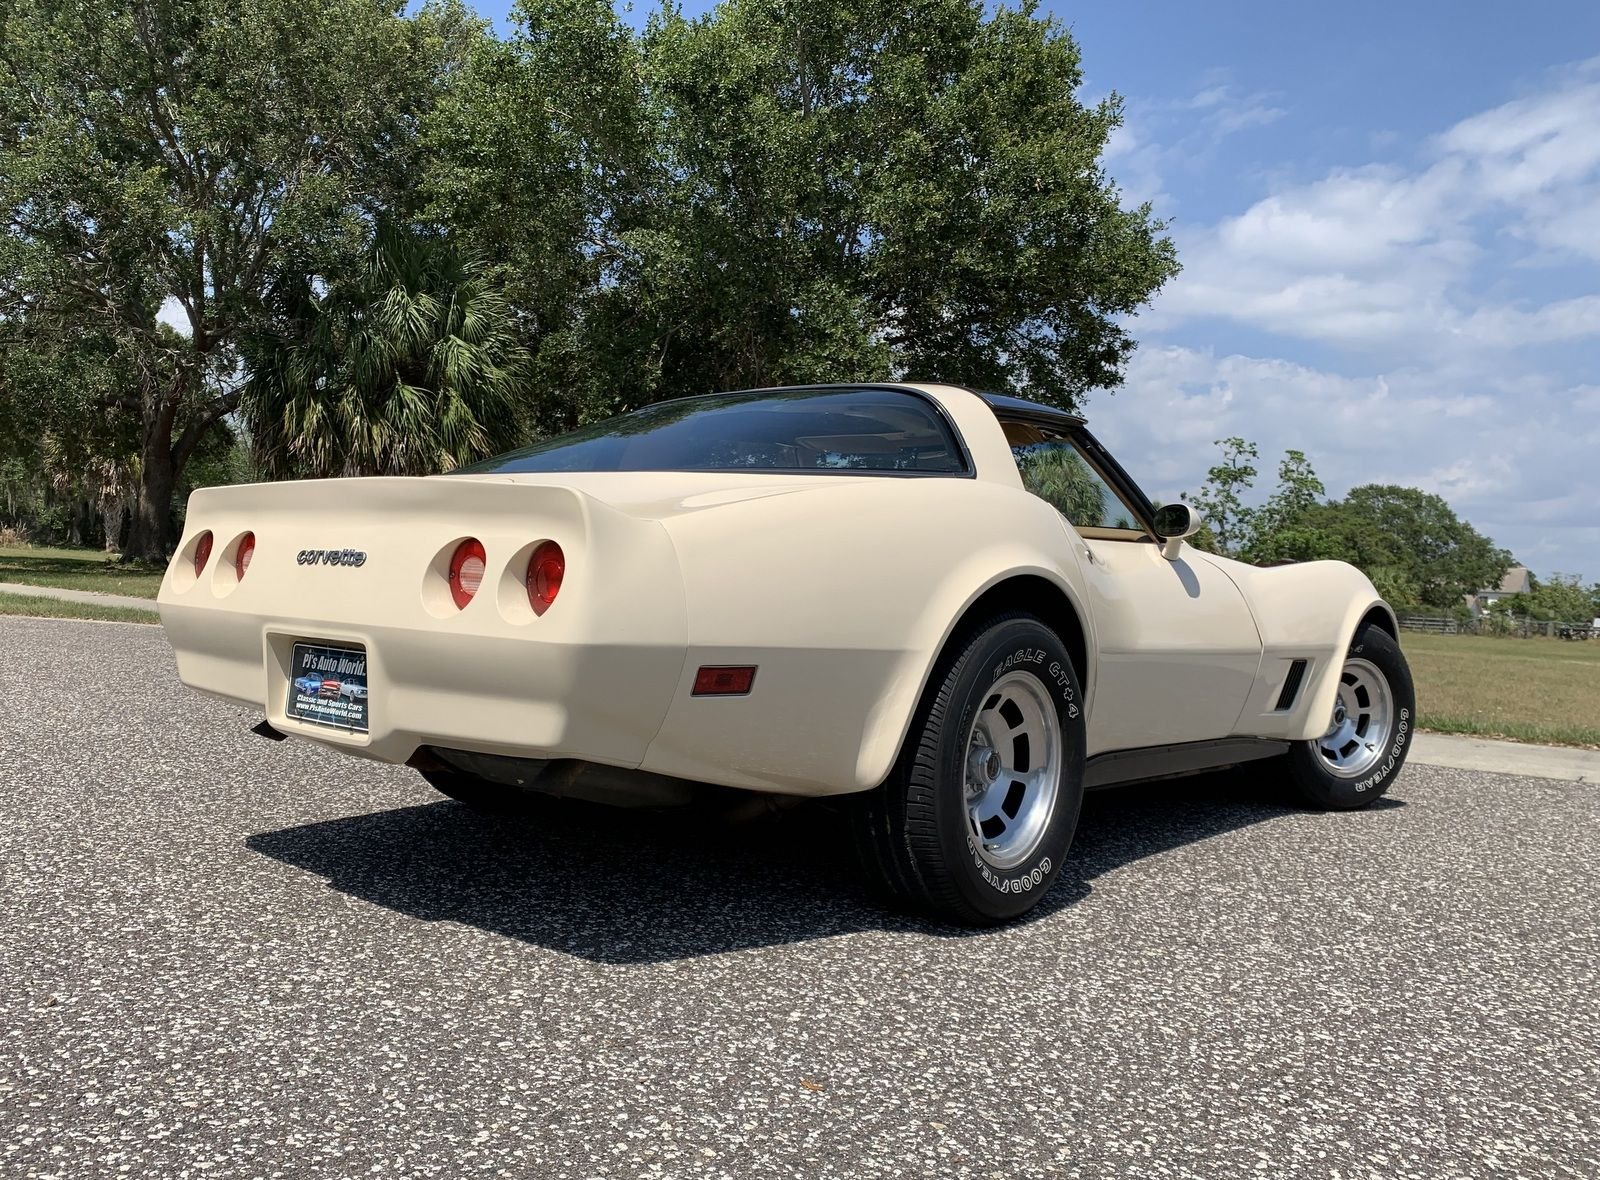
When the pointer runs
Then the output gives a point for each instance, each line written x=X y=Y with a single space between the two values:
x=890 y=723
x=1362 y=610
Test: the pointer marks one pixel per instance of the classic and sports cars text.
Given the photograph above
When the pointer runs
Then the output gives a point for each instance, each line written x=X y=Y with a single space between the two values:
x=955 y=609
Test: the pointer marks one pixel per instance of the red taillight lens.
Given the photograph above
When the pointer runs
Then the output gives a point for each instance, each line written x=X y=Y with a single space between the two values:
x=546 y=568
x=202 y=552
x=723 y=681
x=246 y=550
x=467 y=565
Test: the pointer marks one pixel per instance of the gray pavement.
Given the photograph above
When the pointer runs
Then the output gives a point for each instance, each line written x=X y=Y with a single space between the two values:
x=91 y=596
x=226 y=957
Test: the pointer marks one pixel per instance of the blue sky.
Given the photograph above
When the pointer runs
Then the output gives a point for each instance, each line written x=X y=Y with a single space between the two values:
x=1389 y=220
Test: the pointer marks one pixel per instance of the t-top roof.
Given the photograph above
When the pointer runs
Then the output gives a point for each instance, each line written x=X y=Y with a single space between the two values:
x=1022 y=407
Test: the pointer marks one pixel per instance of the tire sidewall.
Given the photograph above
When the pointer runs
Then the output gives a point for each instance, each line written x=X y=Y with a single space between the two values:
x=1016 y=645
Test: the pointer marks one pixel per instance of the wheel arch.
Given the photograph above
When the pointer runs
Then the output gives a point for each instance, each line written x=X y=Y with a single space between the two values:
x=1380 y=615
x=1035 y=592
x=1364 y=610
x=1037 y=596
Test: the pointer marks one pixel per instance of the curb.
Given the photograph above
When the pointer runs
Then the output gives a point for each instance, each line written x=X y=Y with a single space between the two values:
x=90 y=597
x=1462 y=752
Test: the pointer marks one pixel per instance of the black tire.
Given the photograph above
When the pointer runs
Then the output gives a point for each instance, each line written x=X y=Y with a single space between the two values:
x=914 y=833
x=1313 y=777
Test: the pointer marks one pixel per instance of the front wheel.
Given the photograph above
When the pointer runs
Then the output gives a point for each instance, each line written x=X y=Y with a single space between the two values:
x=975 y=820
x=1369 y=733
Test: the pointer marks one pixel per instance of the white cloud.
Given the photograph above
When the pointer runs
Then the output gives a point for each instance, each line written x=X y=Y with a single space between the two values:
x=1160 y=137
x=1228 y=110
x=1138 y=164
x=1509 y=327
x=1514 y=457
x=1393 y=260
x=1435 y=324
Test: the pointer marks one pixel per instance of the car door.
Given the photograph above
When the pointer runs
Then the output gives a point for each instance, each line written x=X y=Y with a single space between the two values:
x=1177 y=649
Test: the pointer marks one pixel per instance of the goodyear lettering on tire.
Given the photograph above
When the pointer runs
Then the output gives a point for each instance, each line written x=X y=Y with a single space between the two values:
x=1023 y=883
x=1401 y=733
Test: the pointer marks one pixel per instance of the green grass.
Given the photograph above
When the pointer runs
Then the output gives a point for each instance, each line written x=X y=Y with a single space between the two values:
x=78 y=569
x=1528 y=690
x=52 y=608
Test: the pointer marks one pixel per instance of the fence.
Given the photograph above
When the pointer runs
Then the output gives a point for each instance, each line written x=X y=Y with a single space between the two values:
x=1512 y=628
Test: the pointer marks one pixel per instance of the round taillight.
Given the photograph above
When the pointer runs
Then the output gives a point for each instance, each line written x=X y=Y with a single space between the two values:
x=546 y=568
x=202 y=552
x=242 y=556
x=466 y=571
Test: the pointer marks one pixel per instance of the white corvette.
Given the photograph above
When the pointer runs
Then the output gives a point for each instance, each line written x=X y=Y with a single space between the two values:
x=956 y=607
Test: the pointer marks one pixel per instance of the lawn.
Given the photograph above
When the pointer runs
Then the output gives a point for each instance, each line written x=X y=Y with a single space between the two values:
x=50 y=608
x=77 y=569
x=1531 y=690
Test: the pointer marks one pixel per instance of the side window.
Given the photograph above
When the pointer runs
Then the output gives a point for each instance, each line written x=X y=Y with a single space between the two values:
x=1053 y=470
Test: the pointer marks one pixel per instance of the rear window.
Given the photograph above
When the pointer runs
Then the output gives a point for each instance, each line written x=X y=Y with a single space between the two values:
x=849 y=431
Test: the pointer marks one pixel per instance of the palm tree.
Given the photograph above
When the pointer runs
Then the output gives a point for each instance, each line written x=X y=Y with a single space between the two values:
x=1057 y=473
x=411 y=366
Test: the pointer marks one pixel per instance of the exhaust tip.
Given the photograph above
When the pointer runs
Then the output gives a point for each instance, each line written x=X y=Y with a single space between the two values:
x=264 y=729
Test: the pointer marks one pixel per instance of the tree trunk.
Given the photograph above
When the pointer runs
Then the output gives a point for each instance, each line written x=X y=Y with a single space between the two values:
x=150 y=538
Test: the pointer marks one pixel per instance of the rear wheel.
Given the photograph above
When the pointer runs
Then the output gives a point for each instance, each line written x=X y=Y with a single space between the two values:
x=975 y=820
x=1369 y=733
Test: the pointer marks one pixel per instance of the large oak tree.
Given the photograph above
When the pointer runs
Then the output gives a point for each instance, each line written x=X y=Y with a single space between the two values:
x=779 y=191
x=188 y=154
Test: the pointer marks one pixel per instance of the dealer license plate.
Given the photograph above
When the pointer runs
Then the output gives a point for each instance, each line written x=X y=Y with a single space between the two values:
x=328 y=686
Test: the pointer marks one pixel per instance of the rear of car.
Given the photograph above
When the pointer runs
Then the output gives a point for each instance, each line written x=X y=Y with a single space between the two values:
x=380 y=615
x=534 y=607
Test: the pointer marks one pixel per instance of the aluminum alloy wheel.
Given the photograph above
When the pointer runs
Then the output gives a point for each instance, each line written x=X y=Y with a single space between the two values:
x=1363 y=721
x=1013 y=769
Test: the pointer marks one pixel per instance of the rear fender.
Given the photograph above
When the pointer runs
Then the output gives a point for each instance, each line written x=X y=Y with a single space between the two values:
x=948 y=616
x=843 y=597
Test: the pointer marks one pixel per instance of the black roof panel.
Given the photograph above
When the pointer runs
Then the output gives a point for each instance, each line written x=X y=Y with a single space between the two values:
x=1004 y=402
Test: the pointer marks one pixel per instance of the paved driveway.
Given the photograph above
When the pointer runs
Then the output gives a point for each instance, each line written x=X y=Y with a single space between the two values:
x=228 y=957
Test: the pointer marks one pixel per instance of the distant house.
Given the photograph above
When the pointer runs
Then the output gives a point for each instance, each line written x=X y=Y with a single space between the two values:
x=1516 y=581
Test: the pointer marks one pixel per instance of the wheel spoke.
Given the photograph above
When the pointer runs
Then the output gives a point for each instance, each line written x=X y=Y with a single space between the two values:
x=1009 y=808
x=1363 y=716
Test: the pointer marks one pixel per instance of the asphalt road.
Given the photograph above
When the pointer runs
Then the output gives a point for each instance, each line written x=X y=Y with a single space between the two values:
x=226 y=957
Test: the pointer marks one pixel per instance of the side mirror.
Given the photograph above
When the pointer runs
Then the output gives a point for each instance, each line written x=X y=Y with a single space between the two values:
x=1174 y=522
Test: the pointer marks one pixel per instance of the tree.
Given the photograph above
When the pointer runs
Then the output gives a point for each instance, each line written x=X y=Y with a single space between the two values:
x=779 y=192
x=1409 y=542
x=1395 y=586
x=190 y=154
x=1059 y=475
x=71 y=459
x=1562 y=599
x=1299 y=490
x=409 y=367
x=1283 y=529
x=1221 y=498
x=1419 y=536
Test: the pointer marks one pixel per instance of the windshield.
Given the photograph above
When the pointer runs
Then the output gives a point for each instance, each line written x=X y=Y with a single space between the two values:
x=842 y=431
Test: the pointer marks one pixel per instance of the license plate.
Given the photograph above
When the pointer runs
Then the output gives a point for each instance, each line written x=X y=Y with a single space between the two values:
x=328 y=686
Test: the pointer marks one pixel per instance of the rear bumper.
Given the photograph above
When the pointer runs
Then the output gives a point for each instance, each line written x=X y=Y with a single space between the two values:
x=450 y=687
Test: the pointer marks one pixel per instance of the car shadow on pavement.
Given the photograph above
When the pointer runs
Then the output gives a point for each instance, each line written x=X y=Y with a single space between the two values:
x=619 y=886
